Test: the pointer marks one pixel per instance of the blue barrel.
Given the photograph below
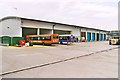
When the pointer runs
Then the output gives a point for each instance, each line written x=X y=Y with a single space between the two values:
x=93 y=36
x=88 y=36
x=101 y=37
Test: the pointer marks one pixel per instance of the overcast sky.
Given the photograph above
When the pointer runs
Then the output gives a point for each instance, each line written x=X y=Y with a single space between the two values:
x=101 y=14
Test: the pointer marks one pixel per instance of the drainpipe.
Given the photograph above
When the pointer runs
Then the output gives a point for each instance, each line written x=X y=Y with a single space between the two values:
x=80 y=35
x=53 y=28
x=38 y=31
x=86 y=35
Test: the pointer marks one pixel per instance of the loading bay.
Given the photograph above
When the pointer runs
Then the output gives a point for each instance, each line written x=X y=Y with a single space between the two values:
x=78 y=60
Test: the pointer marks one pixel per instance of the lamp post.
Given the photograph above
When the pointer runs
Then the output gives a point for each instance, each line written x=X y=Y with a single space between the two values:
x=15 y=24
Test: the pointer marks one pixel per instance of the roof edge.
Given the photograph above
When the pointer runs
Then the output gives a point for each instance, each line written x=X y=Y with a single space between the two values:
x=9 y=17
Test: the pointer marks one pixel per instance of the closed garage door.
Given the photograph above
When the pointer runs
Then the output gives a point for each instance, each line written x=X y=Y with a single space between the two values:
x=93 y=36
x=104 y=36
x=88 y=36
x=101 y=37
x=28 y=31
x=45 y=31
x=61 y=32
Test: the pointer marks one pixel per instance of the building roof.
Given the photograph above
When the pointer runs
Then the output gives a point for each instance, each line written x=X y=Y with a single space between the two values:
x=54 y=23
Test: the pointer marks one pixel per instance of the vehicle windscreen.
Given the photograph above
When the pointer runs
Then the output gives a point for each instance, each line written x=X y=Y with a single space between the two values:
x=114 y=34
x=64 y=37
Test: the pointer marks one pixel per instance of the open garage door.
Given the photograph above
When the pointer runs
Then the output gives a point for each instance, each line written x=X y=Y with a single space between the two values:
x=61 y=32
x=83 y=36
x=97 y=36
x=28 y=31
x=45 y=31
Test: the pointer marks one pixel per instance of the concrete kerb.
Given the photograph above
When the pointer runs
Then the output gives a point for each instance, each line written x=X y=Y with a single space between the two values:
x=26 y=47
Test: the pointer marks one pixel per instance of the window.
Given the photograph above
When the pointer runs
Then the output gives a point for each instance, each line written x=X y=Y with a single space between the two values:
x=64 y=37
x=30 y=38
x=45 y=38
x=35 y=38
x=55 y=37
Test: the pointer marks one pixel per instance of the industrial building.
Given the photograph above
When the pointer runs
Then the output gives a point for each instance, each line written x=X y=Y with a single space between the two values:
x=19 y=26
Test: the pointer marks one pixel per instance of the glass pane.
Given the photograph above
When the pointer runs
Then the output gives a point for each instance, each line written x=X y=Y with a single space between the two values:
x=55 y=37
x=45 y=38
x=35 y=38
x=64 y=37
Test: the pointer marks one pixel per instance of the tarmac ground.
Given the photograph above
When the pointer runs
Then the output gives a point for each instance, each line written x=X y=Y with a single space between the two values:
x=78 y=60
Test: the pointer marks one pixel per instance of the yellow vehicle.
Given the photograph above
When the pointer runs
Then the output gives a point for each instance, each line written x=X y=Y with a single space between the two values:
x=114 y=37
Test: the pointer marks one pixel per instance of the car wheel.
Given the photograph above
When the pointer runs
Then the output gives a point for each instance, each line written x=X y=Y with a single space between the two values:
x=109 y=42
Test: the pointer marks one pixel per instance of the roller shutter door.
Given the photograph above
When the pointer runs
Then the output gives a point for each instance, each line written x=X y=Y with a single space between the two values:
x=88 y=36
x=101 y=37
x=93 y=36
x=28 y=31
x=62 y=32
x=104 y=36
x=45 y=31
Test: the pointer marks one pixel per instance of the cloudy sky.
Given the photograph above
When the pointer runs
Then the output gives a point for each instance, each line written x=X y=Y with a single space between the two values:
x=101 y=14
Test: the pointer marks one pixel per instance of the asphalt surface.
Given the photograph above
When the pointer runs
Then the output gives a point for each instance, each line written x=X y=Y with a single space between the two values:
x=98 y=65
